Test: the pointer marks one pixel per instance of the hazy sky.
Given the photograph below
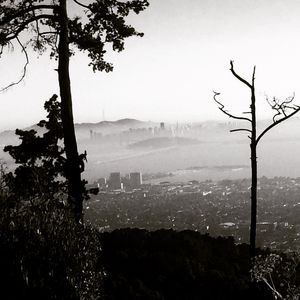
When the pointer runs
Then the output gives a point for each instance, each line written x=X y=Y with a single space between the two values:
x=169 y=74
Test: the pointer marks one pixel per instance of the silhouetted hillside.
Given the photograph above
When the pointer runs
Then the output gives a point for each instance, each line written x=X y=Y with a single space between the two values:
x=44 y=255
x=173 y=265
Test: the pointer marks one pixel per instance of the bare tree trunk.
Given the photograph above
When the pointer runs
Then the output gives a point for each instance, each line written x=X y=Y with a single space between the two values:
x=73 y=173
x=253 y=173
x=281 y=108
x=253 y=200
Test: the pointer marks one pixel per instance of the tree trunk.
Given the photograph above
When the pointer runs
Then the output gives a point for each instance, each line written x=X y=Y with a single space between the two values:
x=253 y=200
x=73 y=173
x=253 y=174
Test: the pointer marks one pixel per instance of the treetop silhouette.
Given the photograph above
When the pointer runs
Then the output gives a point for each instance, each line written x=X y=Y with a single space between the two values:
x=40 y=158
x=50 y=25
x=103 y=23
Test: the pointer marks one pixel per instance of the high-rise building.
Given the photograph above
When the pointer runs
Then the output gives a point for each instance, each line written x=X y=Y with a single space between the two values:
x=114 y=182
x=135 y=179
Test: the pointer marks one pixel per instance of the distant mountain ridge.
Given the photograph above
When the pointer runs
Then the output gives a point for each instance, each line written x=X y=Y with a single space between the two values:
x=83 y=129
x=212 y=128
x=121 y=122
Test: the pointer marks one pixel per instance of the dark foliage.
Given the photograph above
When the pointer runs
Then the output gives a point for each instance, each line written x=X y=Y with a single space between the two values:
x=45 y=254
x=101 y=22
x=176 y=265
x=40 y=158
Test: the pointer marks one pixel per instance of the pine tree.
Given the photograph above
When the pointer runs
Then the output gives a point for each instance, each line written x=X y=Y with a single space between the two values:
x=49 y=24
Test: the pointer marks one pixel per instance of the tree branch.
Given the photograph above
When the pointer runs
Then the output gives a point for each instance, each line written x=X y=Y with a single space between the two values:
x=253 y=77
x=272 y=289
x=21 y=12
x=280 y=107
x=239 y=77
x=296 y=110
x=26 y=23
x=37 y=30
x=48 y=32
x=241 y=129
x=24 y=68
x=77 y=2
x=221 y=108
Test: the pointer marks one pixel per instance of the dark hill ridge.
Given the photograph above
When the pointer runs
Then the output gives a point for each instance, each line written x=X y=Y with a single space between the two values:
x=163 y=142
x=122 y=122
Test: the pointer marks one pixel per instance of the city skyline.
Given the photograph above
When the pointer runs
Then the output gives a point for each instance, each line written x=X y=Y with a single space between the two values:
x=170 y=73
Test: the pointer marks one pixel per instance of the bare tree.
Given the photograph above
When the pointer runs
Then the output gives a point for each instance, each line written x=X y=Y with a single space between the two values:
x=50 y=26
x=284 y=109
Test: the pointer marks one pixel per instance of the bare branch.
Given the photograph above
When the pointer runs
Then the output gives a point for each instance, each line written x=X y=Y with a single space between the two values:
x=289 y=99
x=24 y=68
x=77 y=2
x=274 y=117
x=253 y=76
x=239 y=77
x=271 y=288
x=296 y=110
x=241 y=129
x=281 y=107
x=222 y=109
x=37 y=30
x=48 y=32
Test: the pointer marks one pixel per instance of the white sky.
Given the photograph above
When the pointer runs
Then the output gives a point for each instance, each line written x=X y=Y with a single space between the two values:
x=169 y=74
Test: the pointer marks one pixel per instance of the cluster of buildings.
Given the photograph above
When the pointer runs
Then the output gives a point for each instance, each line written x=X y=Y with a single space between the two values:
x=117 y=183
x=132 y=135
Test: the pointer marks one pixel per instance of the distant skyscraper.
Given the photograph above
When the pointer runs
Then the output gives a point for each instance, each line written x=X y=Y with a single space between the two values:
x=114 y=182
x=135 y=179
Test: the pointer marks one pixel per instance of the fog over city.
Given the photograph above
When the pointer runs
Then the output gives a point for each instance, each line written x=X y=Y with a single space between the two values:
x=169 y=76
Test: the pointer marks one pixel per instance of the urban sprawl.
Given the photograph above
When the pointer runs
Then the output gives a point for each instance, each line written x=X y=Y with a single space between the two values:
x=216 y=208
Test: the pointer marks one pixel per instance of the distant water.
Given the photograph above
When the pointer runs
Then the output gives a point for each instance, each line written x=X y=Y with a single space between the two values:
x=206 y=173
x=274 y=159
